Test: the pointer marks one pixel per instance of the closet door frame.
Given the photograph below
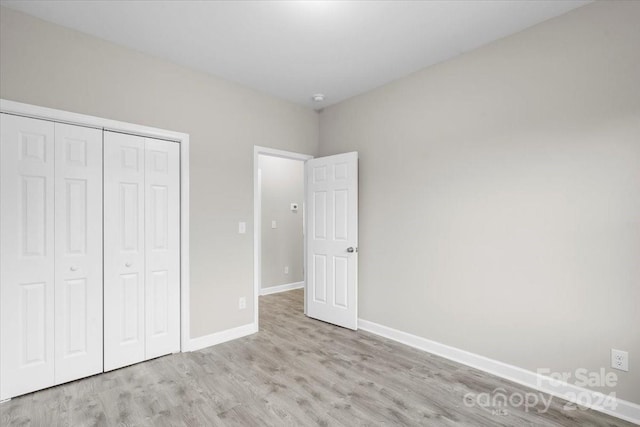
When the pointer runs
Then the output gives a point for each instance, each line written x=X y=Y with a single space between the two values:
x=37 y=112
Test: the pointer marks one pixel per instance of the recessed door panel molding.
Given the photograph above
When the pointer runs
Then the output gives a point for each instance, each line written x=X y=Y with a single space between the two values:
x=319 y=278
x=77 y=211
x=162 y=243
x=341 y=282
x=74 y=305
x=130 y=231
x=131 y=307
x=78 y=252
x=27 y=255
x=332 y=246
x=341 y=215
x=76 y=150
x=158 y=290
x=319 y=215
x=159 y=212
x=124 y=255
x=319 y=174
x=340 y=171
x=33 y=216
x=33 y=324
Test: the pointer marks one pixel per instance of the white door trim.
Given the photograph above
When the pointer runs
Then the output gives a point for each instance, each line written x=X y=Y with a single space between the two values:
x=36 y=112
x=257 y=237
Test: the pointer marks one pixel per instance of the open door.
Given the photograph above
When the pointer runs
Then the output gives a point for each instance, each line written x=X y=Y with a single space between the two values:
x=331 y=264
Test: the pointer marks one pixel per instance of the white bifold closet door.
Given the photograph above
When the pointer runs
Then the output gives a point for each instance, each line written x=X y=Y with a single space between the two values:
x=27 y=254
x=50 y=254
x=78 y=252
x=142 y=255
x=162 y=247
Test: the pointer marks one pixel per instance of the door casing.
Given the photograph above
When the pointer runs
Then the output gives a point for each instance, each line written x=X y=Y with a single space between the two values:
x=257 y=223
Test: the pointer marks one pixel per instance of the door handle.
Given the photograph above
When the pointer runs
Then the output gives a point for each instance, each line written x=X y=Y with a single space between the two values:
x=127 y=264
x=351 y=249
x=74 y=268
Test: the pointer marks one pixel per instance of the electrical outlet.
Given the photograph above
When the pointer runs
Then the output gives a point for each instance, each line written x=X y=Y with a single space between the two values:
x=242 y=303
x=286 y=270
x=620 y=360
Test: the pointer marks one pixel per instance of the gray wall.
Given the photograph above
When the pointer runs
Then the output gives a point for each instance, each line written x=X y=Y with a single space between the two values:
x=48 y=65
x=282 y=184
x=500 y=195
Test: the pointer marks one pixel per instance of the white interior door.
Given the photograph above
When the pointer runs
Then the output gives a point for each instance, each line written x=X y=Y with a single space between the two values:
x=162 y=242
x=78 y=252
x=27 y=254
x=124 y=254
x=332 y=239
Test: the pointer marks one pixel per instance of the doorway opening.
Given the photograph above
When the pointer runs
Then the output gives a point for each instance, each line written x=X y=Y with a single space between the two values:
x=279 y=200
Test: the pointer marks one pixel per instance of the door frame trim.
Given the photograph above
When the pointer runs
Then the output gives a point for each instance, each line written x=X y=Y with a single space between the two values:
x=61 y=116
x=257 y=216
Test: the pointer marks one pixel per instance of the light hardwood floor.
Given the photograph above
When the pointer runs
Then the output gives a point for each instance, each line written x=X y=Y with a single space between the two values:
x=295 y=371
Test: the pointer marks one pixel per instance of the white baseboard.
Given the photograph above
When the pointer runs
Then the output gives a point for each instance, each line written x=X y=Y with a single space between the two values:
x=623 y=409
x=222 y=336
x=281 y=288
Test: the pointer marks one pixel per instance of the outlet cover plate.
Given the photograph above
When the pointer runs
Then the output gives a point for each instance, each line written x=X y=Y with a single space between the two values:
x=620 y=360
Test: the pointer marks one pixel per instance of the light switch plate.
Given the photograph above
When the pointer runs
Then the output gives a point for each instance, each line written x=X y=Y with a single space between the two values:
x=242 y=227
x=274 y=224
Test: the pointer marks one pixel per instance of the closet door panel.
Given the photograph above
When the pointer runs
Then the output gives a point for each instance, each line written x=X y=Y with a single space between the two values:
x=124 y=250
x=26 y=255
x=78 y=259
x=162 y=242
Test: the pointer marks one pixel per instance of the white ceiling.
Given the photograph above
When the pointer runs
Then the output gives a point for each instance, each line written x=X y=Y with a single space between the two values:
x=293 y=49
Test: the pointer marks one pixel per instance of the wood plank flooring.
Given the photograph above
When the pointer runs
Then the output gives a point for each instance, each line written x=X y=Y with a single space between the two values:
x=295 y=372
